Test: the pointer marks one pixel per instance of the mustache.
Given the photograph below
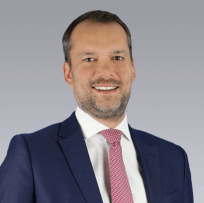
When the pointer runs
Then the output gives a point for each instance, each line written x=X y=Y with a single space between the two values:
x=102 y=81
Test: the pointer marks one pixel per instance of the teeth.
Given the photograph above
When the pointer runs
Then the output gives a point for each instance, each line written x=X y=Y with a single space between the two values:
x=105 y=88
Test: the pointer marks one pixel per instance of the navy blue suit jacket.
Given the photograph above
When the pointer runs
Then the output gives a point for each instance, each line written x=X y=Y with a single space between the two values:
x=52 y=165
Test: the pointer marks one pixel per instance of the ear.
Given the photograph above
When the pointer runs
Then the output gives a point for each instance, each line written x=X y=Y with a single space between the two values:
x=67 y=74
x=133 y=70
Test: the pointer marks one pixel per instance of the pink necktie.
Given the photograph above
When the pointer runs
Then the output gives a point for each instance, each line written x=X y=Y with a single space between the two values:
x=120 y=188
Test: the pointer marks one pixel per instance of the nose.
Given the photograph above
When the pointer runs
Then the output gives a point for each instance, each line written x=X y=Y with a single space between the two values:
x=105 y=70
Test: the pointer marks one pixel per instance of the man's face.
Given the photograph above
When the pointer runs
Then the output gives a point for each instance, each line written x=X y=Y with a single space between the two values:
x=102 y=72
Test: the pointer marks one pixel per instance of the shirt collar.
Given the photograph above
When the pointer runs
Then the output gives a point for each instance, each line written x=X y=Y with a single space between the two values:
x=90 y=126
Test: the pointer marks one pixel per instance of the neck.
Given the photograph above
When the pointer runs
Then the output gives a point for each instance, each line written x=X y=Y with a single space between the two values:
x=111 y=122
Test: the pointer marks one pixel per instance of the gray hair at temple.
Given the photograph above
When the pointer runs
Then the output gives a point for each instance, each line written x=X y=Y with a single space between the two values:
x=96 y=17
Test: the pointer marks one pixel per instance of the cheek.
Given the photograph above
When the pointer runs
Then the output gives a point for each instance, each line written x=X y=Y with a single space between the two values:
x=85 y=72
x=81 y=81
x=126 y=75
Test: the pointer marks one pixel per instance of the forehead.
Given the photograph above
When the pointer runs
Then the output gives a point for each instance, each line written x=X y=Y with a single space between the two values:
x=99 y=35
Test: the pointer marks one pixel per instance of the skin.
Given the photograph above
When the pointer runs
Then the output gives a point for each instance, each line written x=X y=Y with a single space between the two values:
x=100 y=57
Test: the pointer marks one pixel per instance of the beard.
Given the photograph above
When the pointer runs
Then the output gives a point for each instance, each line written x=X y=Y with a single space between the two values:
x=106 y=110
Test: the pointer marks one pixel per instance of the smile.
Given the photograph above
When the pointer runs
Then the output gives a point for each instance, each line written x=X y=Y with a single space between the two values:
x=105 y=88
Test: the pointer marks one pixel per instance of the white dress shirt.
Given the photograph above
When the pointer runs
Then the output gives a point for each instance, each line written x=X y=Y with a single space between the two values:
x=98 y=149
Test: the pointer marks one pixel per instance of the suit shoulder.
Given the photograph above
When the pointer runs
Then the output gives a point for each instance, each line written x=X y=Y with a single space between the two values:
x=44 y=133
x=155 y=141
x=50 y=134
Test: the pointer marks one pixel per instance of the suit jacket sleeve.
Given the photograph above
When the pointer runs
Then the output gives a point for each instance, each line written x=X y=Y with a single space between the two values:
x=16 y=178
x=188 y=191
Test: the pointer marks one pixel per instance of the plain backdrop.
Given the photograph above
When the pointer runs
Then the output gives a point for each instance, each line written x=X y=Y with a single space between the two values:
x=168 y=48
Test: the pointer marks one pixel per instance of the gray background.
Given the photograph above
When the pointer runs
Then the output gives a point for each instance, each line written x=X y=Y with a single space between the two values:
x=168 y=47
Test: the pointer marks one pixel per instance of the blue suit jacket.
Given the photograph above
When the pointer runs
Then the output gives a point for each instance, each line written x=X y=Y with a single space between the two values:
x=53 y=166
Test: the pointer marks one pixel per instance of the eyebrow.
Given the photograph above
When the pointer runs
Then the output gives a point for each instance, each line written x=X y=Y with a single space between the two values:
x=87 y=53
x=118 y=51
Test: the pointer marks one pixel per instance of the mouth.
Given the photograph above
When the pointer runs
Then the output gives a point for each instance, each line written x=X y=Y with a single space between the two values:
x=105 y=89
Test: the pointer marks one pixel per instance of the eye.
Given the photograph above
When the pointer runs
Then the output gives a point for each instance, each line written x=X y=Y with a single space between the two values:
x=88 y=59
x=117 y=58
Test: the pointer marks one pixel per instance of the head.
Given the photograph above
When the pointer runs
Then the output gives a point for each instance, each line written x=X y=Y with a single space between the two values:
x=98 y=64
x=97 y=17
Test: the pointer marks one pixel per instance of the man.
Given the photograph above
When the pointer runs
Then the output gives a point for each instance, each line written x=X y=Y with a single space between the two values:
x=76 y=161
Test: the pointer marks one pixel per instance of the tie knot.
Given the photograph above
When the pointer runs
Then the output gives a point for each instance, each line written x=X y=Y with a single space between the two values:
x=112 y=135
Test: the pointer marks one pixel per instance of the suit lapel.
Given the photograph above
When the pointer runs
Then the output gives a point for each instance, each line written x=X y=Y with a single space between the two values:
x=76 y=153
x=148 y=158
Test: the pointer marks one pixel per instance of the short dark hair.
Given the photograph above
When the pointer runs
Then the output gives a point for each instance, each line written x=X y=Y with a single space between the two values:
x=96 y=16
